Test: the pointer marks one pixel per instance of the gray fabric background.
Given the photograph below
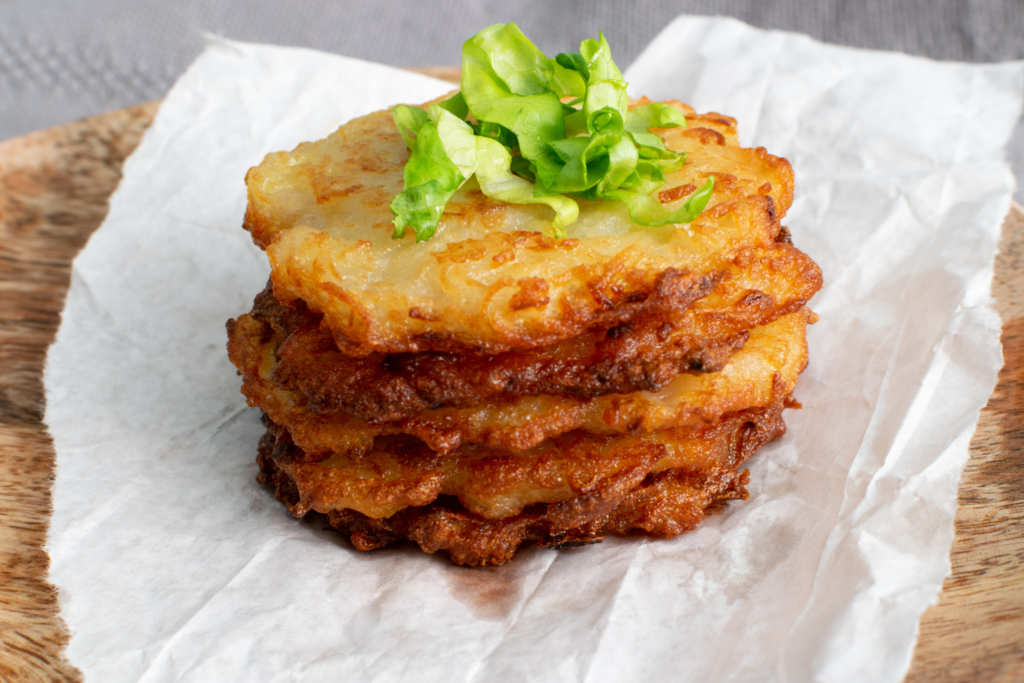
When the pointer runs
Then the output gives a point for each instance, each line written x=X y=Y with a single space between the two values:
x=64 y=59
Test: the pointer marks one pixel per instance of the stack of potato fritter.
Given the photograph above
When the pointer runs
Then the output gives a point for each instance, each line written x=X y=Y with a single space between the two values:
x=495 y=385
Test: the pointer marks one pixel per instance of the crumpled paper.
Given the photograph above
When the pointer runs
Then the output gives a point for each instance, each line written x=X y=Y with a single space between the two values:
x=173 y=564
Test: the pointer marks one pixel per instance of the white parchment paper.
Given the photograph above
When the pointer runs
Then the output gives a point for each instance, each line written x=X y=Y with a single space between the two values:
x=173 y=564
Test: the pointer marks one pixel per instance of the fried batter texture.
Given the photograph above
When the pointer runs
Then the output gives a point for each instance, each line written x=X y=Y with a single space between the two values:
x=479 y=504
x=491 y=280
x=494 y=386
x=710 y=322
x=763 y=370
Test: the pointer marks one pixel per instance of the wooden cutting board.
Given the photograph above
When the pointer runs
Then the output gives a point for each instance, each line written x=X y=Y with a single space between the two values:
x=54 y=186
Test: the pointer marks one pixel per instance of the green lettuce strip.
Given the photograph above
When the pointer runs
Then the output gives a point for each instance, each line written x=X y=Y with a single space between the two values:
x=535 y=130
x=645 y=209
x=497 y=181
x=443 y=157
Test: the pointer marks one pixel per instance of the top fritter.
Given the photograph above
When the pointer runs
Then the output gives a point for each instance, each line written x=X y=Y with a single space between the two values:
x=493 y=277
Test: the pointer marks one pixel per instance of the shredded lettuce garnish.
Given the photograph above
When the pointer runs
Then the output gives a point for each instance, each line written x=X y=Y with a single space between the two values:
x=535 y=130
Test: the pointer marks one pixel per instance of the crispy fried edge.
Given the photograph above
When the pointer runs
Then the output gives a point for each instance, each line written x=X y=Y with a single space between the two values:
x=446 y=429
x=385 y=388
x=662 y=503
x=616 y=295
x=636 y=356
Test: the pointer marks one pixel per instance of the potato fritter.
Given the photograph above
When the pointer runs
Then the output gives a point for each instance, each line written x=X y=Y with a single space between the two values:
x=636 y=356
x=765 y=369
x=568 y=490
x=401 y=471
x=493 y=385
x=491 y=280
x=665 y=505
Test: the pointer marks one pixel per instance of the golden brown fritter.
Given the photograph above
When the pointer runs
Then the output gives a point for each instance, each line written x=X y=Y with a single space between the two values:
x=377 y=388
x=491 y=280
x=480 y=504
x=645 y=355
x=665 y=505
x=765 y=369
x=388 y=388
x=493 y=385
x=401 y=471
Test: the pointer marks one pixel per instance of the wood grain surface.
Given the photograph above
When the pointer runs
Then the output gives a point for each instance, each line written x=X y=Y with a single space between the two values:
x=976 y=631
x=54 y=186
